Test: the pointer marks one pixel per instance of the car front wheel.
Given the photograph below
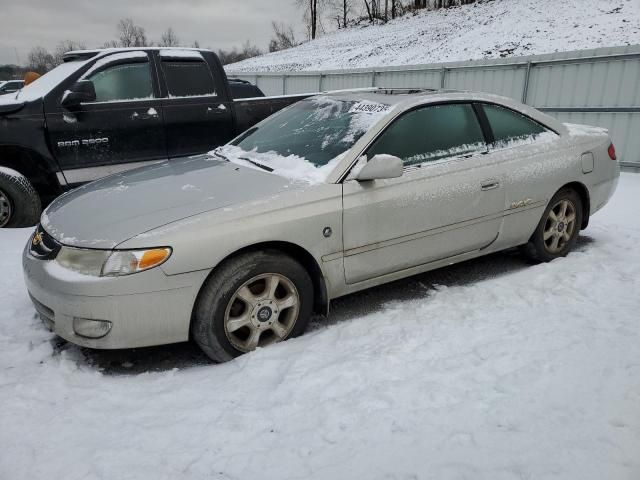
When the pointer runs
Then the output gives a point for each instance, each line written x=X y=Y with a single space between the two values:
x=252 y=301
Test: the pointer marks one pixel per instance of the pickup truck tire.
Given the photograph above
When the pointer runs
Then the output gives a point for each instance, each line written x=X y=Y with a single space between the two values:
x=19 y=202
x=252 y=300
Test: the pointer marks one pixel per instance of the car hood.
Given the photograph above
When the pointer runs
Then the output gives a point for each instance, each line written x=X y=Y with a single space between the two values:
x=107 y=212
x=9 y=104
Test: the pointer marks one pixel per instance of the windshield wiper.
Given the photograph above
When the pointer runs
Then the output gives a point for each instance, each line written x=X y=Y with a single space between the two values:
x=219 y=155
x=264 y=167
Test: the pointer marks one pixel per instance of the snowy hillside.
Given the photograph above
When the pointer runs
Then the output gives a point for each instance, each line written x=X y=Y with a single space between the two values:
x=488 y=29
x=491 y=369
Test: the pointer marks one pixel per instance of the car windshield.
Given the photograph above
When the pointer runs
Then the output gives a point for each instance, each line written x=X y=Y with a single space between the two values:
x=44 y=84
x=306 y=140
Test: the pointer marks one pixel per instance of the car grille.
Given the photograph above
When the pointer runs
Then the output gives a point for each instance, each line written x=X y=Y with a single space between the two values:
x=43 y=246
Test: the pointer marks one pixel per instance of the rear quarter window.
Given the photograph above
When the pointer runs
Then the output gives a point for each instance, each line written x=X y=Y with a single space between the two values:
x=510 y=128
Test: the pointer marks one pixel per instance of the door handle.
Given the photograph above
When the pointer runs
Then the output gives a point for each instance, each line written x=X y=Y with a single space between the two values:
x=150 y=114
x=489 y=185
x=219 y=109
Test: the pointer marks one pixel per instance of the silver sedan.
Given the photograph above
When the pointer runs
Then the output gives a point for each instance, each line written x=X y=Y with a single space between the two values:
x=335 y=194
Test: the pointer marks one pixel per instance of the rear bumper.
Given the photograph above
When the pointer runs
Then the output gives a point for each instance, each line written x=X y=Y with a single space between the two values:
x=602 y=192
x=148 y=308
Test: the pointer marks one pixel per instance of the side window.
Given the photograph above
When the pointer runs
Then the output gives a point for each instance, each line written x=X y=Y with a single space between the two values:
x=431 y=133
x=188 y=78
x=509 y=126
x=124 y=81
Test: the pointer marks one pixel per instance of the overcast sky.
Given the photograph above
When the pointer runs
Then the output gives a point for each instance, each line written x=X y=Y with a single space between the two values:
x=214 y=23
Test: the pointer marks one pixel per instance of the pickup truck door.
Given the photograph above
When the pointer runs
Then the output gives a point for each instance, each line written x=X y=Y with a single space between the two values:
x=197 y=115
x=121 y=129
x=449 y=200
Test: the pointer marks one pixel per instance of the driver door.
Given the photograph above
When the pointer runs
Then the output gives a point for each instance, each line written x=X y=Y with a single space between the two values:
x=123 y=128
x=449 y=201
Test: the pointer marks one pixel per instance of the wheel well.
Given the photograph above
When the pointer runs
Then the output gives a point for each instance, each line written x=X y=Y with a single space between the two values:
x=33 y=166
x=582 y=191
x=320 y=296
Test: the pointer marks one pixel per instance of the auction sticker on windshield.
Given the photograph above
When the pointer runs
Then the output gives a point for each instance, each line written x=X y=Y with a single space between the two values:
x=369 y=107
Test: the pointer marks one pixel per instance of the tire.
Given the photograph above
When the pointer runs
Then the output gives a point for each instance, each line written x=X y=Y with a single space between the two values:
x=19 y=202
x=558 y=229
x=234 y=313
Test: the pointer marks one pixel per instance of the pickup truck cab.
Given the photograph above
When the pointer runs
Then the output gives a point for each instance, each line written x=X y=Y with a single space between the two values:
x=109 y=110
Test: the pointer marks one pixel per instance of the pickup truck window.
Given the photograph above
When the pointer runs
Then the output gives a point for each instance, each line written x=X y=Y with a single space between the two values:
x=188 y=78
x=128 y=81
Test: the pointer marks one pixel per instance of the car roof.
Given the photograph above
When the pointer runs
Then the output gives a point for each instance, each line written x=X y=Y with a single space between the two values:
x=401 y=99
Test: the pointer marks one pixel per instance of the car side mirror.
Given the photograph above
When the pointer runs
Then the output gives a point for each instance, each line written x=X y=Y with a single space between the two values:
x=379 y=167
x=81 y=91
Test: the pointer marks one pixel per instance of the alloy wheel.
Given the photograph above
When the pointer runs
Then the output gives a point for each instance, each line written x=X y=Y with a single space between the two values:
x=262 y=311
x=559 y=226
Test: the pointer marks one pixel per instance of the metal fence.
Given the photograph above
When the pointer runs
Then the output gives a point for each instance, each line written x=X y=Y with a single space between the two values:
x=597 y=87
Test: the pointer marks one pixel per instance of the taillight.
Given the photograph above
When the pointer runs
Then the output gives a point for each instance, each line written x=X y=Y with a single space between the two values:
x=612 y=152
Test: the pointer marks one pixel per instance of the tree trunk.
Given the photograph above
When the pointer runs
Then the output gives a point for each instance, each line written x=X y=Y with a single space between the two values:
x=314 y=6
x=344 y=13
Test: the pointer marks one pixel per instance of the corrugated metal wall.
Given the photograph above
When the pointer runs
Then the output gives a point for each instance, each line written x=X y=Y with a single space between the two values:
x=598 y=87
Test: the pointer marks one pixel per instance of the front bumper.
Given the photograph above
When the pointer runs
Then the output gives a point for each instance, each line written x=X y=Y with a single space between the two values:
x=146 y=308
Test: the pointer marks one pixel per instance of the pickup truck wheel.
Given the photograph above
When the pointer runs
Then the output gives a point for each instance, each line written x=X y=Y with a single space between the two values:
x=558 y=229
x=253 y=301
x=19 y=202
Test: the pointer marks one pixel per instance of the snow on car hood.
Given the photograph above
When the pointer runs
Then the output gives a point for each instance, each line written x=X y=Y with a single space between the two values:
x=8 y=104
x=289 y=166
x=107 y=212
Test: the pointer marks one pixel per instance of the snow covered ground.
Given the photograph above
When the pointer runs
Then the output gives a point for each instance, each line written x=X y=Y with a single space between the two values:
x=490 y=369
x=488 y=29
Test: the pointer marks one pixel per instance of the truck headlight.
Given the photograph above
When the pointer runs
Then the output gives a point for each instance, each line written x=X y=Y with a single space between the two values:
x=114 y=263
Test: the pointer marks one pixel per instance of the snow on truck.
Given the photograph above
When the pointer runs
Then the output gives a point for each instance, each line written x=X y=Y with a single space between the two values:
x=106 y=111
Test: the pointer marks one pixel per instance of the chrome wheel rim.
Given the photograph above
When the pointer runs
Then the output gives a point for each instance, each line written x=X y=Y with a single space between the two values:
x=5 y=209
x=559 y=226
x=262 y=311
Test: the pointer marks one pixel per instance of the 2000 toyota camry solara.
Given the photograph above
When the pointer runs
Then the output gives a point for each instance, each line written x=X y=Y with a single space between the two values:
x=339 y=192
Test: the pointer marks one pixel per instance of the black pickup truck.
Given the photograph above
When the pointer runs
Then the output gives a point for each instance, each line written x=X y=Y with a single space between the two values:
x=105 y=111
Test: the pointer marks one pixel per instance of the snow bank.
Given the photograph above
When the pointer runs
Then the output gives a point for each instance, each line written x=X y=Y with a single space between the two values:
x=491 y=369
x=489 y=29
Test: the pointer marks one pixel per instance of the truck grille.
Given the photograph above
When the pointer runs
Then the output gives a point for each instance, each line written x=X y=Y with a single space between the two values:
x=43 y=246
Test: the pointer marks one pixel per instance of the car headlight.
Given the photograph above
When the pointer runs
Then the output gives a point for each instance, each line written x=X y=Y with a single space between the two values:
x=111 y=263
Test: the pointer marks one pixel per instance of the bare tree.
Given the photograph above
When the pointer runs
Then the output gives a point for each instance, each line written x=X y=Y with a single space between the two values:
x=40 y=60
x=169 y=39
x=131 y=35
x=234 y=55
x=283 y=37
x=64 y=47
x=342 y=9
x=311 y=15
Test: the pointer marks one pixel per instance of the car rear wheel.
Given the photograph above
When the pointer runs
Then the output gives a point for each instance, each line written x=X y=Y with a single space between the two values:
x=558 y=230
x=252 y=301
x=19 y=202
